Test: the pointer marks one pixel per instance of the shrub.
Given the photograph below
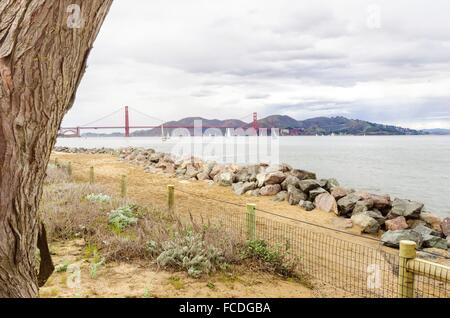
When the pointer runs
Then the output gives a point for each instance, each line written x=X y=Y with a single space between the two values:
x=269 y=259
x=123 y=217
x=189 y=252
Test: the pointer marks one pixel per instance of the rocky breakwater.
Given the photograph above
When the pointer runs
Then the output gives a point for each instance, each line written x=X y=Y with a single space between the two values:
x=392 y=219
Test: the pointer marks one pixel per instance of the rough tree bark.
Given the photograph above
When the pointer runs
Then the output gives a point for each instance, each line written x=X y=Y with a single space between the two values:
x=43 y=53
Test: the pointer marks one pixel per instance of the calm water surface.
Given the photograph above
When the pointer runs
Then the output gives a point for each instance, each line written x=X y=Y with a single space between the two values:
x=410 y=167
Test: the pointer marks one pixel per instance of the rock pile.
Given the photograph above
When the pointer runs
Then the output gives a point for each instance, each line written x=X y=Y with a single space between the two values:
x=397 y=219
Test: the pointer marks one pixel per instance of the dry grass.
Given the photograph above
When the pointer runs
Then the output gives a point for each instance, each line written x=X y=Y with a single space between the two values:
x=69 y=215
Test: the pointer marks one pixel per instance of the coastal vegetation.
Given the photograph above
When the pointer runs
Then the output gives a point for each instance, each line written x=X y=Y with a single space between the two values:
x=113 y=230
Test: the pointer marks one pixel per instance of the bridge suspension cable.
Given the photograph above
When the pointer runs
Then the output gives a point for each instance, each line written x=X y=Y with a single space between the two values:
x=100 y=119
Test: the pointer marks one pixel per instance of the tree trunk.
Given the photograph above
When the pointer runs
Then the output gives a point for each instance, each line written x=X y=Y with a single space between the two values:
x=44 y=45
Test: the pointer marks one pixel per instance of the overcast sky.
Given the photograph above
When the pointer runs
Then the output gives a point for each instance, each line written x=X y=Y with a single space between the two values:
x=226 y=59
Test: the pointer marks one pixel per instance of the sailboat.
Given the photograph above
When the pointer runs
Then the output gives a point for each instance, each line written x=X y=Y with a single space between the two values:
x=164 y=137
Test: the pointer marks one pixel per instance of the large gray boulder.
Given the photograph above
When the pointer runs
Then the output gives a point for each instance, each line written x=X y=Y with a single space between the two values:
x=180 y=172
x=362 y=206
x=191 y=172
x=284 y=167
x=348 y=203
x=276 y=177
x=202 y=176
x=290 y=180
x=430 y=237
x=367 y=223
x=408 y=209
x=281 y=196
x=226 y=179
x=432 y=220
x=381 y=202
x=241 y=188
x=216 y=170
x=331 y=184
x=326 y=202
x=399 y=223
x=294 y=195
x=260 y=178
x=393 y=238
x=316 y=192
x=445 y=226
x=307 y=205
x=377 y=215
x=242 y=175
x=308 y=185
x=431 y=241
x=339 y=192
x=303 y=175
x=425 y=230
x=155 y=157
x=269 y=190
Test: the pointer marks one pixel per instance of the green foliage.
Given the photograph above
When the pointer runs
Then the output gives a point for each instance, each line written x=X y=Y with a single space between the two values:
x=98 y=198
x=188 y=252
x=123 y=217
x=271 y=259
x=259 y=249
x=95 y=265
x=62 y=268
x=176 y=282
x=96 y=261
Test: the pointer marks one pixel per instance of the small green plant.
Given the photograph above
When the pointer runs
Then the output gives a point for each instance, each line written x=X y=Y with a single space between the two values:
x=189 y=252
x=176 y=282
x=90 y=250
x=211 y=286
x=147 y=293
x=95 y=266
x=123 y=217
x=62 y=268
x=270 y=258
x=260 y=250
x=98 y=198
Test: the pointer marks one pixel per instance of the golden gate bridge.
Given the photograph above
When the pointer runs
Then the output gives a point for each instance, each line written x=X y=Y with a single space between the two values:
x=127 y=127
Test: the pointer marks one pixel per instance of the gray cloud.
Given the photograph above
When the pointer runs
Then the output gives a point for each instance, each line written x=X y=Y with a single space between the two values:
x=227 y=59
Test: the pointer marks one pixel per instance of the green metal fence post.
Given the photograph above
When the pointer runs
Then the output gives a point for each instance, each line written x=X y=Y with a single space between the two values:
x=91 y=175
x=69 y=169
x=123 y=186
x=171 y=197
x=251 y=222
x=405 y=277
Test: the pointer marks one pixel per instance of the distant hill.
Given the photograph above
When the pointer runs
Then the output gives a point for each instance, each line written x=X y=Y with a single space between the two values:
x=437 y=131
x=345 y=126
x=313 y=126
x=189 y=122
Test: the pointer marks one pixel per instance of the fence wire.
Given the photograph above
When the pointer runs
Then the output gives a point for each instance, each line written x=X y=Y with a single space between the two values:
x=328 y=256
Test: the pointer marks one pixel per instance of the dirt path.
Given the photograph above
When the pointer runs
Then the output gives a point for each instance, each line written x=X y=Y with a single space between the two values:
x=141 y=280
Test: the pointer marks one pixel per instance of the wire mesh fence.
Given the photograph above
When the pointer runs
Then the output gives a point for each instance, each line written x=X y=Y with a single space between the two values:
x=359 y=269
x=357 y=266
